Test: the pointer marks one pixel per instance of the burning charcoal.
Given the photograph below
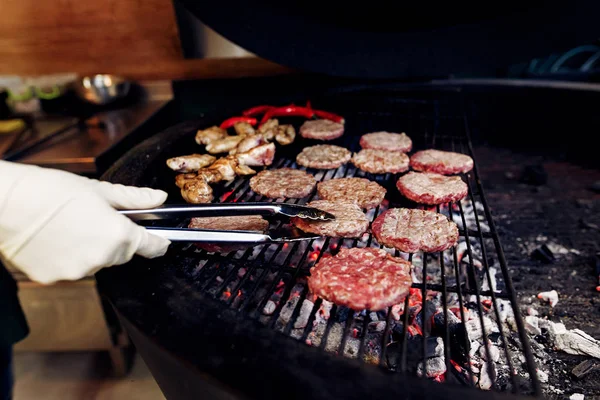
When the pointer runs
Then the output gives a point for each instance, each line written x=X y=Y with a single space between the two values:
x=475 y=346
x=397 y=332
x=435 y=366
x=542 y=253
x=534 y=175
x=305 y=311
x=373 y=316
x=414 y=351
x=584 y=368
x=495 y=338
x=494 y=352
x=550 y=297
x=474 y=327
x=430 y=310
x=377 y=326
x=269 y=308
x=486 y=376
x=532 y=311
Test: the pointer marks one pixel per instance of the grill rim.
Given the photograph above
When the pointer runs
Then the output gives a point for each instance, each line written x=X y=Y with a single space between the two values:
x=184 y=128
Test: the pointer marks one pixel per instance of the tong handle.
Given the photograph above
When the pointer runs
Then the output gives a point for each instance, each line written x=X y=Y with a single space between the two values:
x=202 y=210
x=196 y=235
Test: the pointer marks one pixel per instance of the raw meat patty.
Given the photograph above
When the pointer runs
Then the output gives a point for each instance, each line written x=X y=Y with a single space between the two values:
x=386 y=141
x=349 y=222
x=380 y=161
x=237 y=223
x=321 y=129
x=361 y=279
x=413 y=230
x=431 y=188
x=441 y=162
x=285 y=182
x=361 y=191
x=323 y=156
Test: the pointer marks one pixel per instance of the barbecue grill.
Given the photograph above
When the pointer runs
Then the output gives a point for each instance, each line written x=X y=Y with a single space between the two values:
x=243 y=324
x=246 y=318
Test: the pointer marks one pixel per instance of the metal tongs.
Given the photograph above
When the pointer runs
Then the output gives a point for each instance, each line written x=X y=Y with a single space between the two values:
x=178 y=212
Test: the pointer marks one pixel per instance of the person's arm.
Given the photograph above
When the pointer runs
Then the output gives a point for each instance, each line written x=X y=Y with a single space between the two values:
x=55 y=225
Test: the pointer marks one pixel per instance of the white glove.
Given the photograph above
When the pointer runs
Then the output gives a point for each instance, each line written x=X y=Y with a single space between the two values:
x=55 y=225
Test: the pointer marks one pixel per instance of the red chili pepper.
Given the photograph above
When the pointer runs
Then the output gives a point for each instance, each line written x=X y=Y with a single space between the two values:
x=325 y=114
x=287 y=111
x=254 y=111
x=229 y=122
x=330 y=116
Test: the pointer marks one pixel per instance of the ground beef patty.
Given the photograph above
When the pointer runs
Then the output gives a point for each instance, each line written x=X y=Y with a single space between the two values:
x=413 y=230
x=321 y=129
x=386 y=141
x=323 y=156
x=361 y=191
x=431 y=188
x=238 y=223
x=361 y=279
x=349 y=222
x=380 y=161
x=441 y=162
x=285 y=182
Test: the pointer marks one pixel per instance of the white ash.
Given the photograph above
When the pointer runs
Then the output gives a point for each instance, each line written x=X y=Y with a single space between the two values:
x=475 y=345
x=573 y=341
x=494 y=352
x=542 y=376
x=435 y=366
x=532 y=311
x=373 y=316
x=576 y=396
x=532 y=326
x=269 y=308
x=305 y=310
x=550 y=297
x=485 y=376
x=494 y=283
x=323 y=312
x=474 y=330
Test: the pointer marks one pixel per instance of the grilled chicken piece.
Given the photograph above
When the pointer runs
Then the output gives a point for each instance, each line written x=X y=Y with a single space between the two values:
x=249 y=142
x=268 y=130
x=243 y=129
x=197 y=191
x=224 y=145
x=285 y=134
x=226 y=166
x=244 y=170
x=182 y=179
x=190 y=163
x=258 y=156
x=209 y=135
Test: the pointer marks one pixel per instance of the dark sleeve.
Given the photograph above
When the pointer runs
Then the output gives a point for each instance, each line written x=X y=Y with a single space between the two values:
x=13 y=326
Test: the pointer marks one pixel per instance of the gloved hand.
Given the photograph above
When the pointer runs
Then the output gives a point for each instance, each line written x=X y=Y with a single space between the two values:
x=55 y=225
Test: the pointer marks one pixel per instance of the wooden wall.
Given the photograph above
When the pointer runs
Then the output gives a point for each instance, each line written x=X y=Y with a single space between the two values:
x=135 y=38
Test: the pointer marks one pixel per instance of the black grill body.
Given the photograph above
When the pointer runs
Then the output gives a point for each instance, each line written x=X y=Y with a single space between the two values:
x=199 y=322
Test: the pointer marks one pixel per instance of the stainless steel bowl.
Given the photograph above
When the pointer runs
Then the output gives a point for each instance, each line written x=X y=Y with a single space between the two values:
x=102 y=88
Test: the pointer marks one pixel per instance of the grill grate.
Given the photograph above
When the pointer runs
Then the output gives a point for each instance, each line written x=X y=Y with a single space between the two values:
x=268 y=282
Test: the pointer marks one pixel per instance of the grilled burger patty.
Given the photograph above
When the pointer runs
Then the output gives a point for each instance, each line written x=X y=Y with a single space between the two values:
x=380 y=161
x=411 y=230
x=386 y=141
x=323 y=156
x=441 y=162
x=361 y=278
x=361 y=191
x=349 y=222
x=284 y=182
x=321 y=129
x=431 y=188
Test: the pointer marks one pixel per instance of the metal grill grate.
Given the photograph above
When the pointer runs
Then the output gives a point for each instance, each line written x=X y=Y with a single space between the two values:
x=268 y=282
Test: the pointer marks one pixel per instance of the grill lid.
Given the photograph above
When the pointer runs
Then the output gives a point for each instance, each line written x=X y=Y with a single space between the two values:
x=407 y=41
